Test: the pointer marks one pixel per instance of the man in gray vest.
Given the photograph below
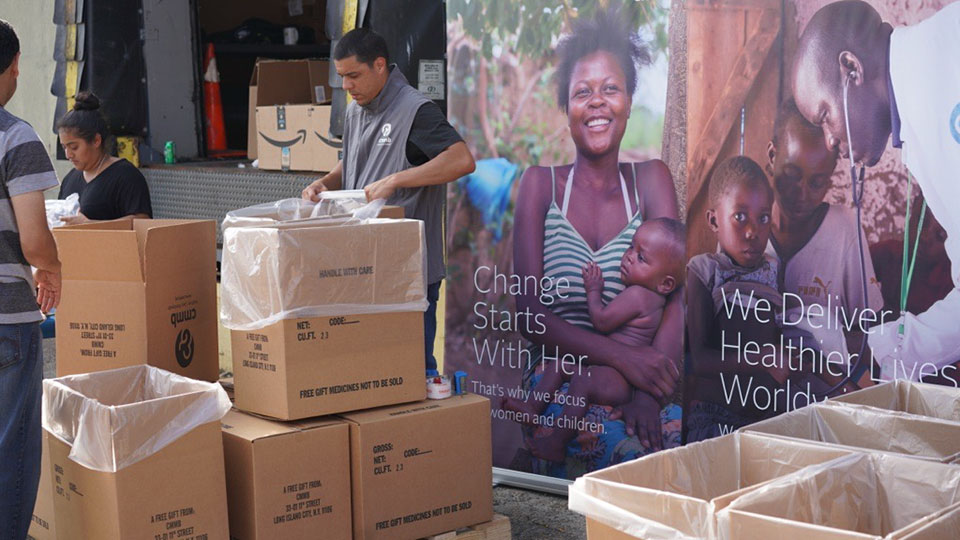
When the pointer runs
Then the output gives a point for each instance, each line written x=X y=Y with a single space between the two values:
x=398 y=146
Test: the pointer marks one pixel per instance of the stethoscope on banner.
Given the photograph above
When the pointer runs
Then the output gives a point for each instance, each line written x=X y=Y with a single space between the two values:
x=856 y=185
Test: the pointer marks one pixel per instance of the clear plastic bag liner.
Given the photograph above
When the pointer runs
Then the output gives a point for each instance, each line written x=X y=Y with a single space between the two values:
x=672 y=495
x=332 y=203
x=930 y=400
x=856 y=496
x=322 y=267
x=868 y=429
x=57 y=209
x=113 y=419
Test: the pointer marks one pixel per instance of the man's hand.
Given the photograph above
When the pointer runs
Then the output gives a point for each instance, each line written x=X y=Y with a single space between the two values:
x=78 y=219
x=381 y=189
x=48 y=289
x=312 y=192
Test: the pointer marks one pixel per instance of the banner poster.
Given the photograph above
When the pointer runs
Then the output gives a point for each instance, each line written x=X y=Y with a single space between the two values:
x=565 y=252
x=793 y=293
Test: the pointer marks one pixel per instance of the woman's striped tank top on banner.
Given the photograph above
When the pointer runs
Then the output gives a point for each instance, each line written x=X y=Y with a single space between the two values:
x=565 y=253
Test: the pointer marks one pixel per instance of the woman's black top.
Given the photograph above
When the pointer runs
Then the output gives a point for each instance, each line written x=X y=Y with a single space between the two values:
x=119 y=190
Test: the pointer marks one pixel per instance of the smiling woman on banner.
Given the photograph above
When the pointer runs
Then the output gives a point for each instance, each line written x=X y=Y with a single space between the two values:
x=108 y=187
x=572 y=215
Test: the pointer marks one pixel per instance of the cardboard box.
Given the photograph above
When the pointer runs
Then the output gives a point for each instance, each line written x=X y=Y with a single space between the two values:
x=860 y=496
x=422 y=468
x=138 y=292
x=43 y=525
x=929 y=400
x=136 y=453
x=326 y=317
x=675 y=493
x=301 y=368
x=284 y=81
x=868 y=429
x=289 y=125
x=287 y=480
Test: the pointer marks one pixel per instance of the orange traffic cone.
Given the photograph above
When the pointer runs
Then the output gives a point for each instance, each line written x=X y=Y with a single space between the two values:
x=212 y=106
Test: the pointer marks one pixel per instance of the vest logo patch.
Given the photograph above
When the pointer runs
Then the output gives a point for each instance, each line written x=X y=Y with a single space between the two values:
x=955 y=123
x=385 y=139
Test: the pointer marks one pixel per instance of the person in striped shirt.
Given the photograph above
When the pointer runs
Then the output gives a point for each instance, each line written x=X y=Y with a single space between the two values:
x=25 y=241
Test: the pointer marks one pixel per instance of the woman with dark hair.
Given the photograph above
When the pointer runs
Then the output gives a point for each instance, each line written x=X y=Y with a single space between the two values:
x=587 y=212
x=108 y=187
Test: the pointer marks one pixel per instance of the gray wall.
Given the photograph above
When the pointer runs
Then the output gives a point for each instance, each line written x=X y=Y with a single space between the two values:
x=33 y=21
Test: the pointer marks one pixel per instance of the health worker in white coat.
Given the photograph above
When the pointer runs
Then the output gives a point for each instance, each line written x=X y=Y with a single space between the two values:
x=864 y=81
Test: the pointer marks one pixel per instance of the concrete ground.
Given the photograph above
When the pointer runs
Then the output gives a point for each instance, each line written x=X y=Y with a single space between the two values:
x=533 y=515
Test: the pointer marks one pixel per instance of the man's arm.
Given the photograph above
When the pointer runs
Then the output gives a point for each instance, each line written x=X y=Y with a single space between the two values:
x=332 y=181
x=38 y=246
x=447 y=166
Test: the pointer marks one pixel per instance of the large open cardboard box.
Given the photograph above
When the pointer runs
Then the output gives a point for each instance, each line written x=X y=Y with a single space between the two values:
x=857 y=497
x=929 y=400
x=422 y=468
x=287 y=480
x=675 y=493
x=136 y=453
x=138 y=292
x=868 y=429
x=325 y=316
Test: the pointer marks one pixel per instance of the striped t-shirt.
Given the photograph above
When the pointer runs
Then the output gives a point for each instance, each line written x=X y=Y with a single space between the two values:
x=24 y=167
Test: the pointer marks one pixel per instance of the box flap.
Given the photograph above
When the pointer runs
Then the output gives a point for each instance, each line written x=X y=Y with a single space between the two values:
x=251 y=428
x=282 y=82
x=413 y=409
x=107 y=251
x=161 y=240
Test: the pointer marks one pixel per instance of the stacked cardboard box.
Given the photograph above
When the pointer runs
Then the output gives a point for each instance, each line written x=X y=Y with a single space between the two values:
x=287 y=480
x=326 y=317
x=421 y=468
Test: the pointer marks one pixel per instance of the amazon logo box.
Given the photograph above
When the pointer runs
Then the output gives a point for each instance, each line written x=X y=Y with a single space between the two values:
x=290 y=116
x=138 y=292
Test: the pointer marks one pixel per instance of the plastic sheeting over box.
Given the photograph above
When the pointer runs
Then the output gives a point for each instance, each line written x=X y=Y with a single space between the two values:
x=319 y=267
x=332 y=203
x=868 y=429
x=114 y=419
x=673 y=495
x=860 y=496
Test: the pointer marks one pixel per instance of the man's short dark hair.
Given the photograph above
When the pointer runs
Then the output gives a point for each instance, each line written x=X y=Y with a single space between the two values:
x=9 y=45
x=363 y=43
